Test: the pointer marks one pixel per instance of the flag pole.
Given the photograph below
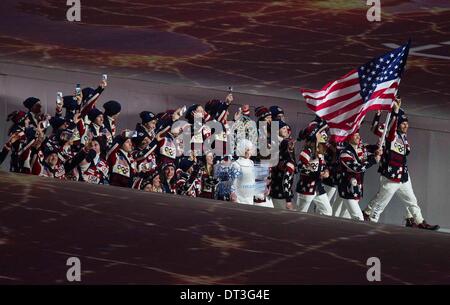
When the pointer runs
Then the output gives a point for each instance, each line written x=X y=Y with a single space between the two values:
x=386 y=123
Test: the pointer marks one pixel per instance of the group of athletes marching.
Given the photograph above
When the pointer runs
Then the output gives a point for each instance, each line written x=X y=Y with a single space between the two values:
x=332 y=174
x=82 y=144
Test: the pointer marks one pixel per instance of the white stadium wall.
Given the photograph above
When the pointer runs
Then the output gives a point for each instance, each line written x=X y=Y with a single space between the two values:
x=429 y=161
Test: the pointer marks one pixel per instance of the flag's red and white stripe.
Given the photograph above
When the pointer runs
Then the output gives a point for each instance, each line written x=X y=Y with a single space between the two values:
x=341 y=104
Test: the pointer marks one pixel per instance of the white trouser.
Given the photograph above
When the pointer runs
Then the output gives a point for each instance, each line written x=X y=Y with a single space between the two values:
x=387 y=189
x=321 y=202
x=279 y=203
x=369 y=208
x=352 y=207
x=339 y=208
x=331 y=191
x=336 y=202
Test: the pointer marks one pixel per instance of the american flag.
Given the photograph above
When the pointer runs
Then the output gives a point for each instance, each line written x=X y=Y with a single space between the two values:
x=345 y=102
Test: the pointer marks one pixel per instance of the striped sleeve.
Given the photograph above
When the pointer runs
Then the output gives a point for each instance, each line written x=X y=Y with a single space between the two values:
x=304 y=157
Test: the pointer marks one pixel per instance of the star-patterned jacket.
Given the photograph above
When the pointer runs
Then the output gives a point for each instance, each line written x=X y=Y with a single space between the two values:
x=352 y=165
x=188 y=184
x=17 y=149
x=208 y=182
x=393 y=163
x=282 y=180
x=396 y=149
x=310 y=167
x=331 y=159
x=145 y=158
x=145 y=162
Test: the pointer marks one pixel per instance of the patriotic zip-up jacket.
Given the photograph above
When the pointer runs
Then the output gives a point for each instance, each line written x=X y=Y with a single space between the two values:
x=98 y=132
x=167 y=149
x=28 y=154
x=396 y=149
x=122 y=167
x=352 y=165
x=66 y=156
x=67 y=167
x=17 y=149
x=282 y=180
x=42 y=169
x=145 y=161
x=145 y=158
x=310 y=168
x=332 y=162
x=208 y=182
x=95 y=171
x=188 y=184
